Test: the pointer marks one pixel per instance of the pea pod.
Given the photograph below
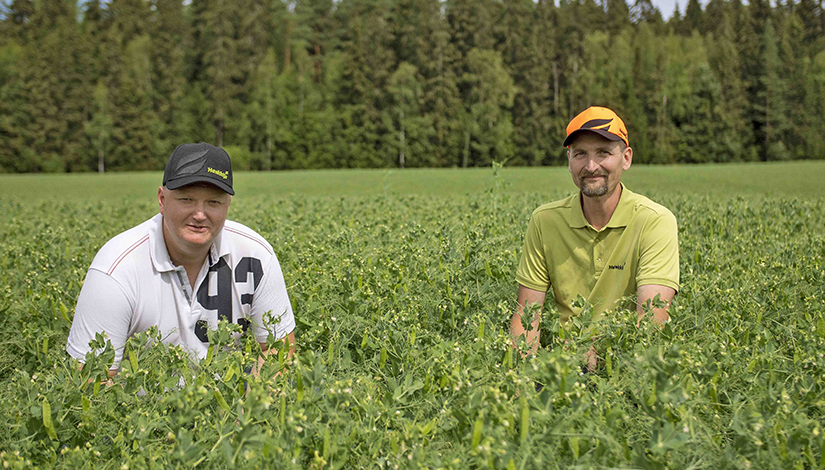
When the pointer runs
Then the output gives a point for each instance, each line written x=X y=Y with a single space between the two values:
x=327 y=438
x=210 y=353
x=230 y=373
x=221 y=401
x=133 y=360
x=47 y=419
x=282 y=411
x=299 y=383
x=525 y=419
x=477 y=428
x=383 y=359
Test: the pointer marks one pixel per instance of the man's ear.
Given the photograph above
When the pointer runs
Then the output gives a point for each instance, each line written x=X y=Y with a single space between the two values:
x=627 y=158
x=161 y=198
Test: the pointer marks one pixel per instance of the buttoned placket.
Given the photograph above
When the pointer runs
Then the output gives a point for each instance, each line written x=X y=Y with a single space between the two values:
x=598 y=253
x=183 y=280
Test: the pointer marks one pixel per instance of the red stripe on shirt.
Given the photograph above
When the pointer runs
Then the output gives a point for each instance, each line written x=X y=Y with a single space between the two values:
x=128 y=250
x=266 y=246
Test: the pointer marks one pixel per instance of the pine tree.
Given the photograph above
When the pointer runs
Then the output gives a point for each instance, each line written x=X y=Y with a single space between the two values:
x=412 y=128
x=442 y=97
x=132 y=114
x=362 y=93
x=169 y=41
x=49 y=97
x=618 y=16
x=516 y=42
x=814 y=73
x=488 y=125
x=13 y=111
x=693 y=16
x=315 y=26
x=99 y=128
x=771 y=106
x=813 y=22
x=221 y=77
x=792 y=54
x=735 y=133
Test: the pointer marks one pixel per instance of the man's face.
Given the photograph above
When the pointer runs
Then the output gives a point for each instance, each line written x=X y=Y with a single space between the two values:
x=597 y=164
x=193 y=215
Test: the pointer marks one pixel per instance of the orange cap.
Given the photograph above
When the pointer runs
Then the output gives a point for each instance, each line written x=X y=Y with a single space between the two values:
x=600 y=120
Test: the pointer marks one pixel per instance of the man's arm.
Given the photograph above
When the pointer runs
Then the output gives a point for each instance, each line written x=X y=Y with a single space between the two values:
x=646 y=293
x=270 y=297
x=658 y=272
x=527 y=297
x=102 y=307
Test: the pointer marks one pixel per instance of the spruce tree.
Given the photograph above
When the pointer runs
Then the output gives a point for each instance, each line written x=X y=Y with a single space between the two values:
x=412 y=128
x=169 y=41
x=771 y=107
x=362 y=91
x=735 y=134
x=488 y=125
x=693 y=16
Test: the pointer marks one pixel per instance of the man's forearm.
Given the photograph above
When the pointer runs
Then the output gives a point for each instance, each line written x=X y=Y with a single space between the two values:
x=532 y=300
x=532 y=337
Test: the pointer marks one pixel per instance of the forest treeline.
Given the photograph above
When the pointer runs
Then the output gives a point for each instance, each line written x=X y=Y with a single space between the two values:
x=379 y=83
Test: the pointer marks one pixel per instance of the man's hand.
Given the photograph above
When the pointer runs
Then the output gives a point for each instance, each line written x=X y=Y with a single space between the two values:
x=526 y=298
x=266 y=351
x=592 y=359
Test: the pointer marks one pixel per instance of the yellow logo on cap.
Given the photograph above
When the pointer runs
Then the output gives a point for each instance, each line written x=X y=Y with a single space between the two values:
x=222 y=174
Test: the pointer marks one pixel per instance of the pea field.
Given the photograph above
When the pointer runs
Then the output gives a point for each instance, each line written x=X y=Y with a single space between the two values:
x=402 y=284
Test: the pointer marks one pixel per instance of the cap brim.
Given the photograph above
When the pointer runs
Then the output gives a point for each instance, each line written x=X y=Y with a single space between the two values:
x=187 y=180
x=603 y=133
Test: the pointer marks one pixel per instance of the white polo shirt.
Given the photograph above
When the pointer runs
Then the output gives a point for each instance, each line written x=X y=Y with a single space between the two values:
x=132 y=285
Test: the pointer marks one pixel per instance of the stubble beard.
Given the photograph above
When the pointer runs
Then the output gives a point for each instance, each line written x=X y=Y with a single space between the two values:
x=595 y=189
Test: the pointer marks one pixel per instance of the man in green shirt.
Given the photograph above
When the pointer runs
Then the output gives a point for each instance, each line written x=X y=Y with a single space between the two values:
x=603 y=243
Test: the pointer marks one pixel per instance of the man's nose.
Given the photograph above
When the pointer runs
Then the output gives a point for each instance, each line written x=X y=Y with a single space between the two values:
x=591 y=165
x=200 y=211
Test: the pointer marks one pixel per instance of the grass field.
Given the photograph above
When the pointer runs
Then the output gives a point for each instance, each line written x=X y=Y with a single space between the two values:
x=795 y=179
x=402 y=285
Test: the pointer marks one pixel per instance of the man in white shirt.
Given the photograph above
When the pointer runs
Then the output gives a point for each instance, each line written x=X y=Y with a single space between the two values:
x=184 y=269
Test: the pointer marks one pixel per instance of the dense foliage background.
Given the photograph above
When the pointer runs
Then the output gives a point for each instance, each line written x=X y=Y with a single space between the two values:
x=380 y=83
x=402 y=303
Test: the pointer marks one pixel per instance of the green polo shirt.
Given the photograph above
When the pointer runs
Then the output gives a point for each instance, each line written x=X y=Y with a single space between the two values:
x=638 y=246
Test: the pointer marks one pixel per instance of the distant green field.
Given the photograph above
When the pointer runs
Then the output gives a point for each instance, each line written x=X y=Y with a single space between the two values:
x=799 y=179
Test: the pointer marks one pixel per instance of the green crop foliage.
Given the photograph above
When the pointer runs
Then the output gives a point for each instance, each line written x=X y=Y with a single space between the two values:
x=403 y=303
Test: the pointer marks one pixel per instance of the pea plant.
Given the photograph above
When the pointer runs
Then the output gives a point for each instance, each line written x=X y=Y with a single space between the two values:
x=404 y=356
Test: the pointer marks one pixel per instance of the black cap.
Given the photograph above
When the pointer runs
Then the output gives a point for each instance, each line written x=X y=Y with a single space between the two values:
x=198 y=163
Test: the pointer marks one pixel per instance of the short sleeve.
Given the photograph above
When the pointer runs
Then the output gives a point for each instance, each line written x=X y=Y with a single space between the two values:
x=659 y=253
x=271 y=297
x=102 y=307
x=532 y=267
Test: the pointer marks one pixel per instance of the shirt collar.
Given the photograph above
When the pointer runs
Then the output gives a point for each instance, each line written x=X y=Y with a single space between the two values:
x=624 y=210
x=620 y=218
x=219 y=248
x=160 y=255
